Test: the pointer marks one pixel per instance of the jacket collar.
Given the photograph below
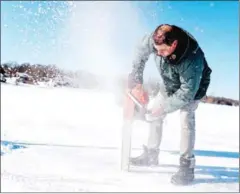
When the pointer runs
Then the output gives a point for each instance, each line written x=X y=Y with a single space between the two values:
x=186 y=46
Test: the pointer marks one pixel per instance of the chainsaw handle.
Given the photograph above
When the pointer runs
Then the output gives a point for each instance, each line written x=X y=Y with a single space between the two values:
x=135 y=100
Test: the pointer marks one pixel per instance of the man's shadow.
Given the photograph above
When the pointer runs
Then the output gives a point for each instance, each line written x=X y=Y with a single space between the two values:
x=220 y=174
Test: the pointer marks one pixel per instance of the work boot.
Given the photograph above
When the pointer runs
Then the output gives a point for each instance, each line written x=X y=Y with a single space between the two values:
x=147 y=158
x=185 y=173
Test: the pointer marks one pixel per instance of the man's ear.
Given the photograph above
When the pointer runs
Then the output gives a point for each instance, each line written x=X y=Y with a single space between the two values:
x=174 y=45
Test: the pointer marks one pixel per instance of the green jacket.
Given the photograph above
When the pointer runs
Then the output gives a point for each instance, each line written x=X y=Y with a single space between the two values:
x=182 y=82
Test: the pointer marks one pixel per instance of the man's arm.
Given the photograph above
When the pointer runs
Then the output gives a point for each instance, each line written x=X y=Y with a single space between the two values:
x=142 y=53
x=190 y=78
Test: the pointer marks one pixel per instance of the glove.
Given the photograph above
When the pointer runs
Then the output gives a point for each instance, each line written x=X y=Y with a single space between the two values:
x=140 y=94
x=154 y=115
x=155 y=109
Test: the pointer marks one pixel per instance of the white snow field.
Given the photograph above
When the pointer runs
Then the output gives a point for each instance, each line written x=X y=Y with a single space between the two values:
x=66 y=140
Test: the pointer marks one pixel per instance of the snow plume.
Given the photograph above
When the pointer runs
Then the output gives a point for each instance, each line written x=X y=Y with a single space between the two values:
x=100 y=36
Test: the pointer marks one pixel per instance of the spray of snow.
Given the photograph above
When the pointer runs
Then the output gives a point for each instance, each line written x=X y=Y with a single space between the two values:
x=100 y=36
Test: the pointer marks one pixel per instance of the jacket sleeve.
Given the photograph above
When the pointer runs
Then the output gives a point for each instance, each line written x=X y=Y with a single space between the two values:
x=141 y=56
x=190 y=75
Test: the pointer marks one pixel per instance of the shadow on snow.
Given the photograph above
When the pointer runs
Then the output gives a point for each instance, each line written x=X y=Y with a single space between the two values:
x=7 y=147
x=220 y=174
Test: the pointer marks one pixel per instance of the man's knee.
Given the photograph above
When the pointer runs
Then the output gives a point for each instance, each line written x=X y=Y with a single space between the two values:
x=190 y=107
x=157 y=123
x=187 y=115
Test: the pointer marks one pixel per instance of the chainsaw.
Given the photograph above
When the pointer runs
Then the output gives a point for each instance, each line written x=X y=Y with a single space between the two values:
x=134 y=108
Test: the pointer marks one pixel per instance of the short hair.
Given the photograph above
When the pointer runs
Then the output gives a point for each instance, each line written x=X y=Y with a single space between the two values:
x=167 y=34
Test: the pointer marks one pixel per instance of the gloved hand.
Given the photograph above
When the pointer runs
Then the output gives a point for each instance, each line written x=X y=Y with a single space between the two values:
x=137 y=90
x=140 y=94
x=129 y=107
x=154 y=114
x=142 y=99
x=155 y=109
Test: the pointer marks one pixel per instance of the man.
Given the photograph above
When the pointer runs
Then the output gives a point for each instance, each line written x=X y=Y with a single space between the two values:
x=185 y=77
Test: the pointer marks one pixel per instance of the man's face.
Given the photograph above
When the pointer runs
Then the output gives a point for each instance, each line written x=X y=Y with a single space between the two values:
x=163 y=50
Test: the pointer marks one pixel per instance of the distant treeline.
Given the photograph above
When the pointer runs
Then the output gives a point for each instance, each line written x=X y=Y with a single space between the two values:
x=36 y=71
x=83 y=79
x=45 y=73
x=220 y=100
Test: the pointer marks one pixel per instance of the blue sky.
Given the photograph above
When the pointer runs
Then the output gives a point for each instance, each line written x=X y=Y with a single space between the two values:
x=101 y=36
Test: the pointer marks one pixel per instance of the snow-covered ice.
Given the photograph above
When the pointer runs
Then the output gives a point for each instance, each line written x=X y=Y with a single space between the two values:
x=64 y=140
